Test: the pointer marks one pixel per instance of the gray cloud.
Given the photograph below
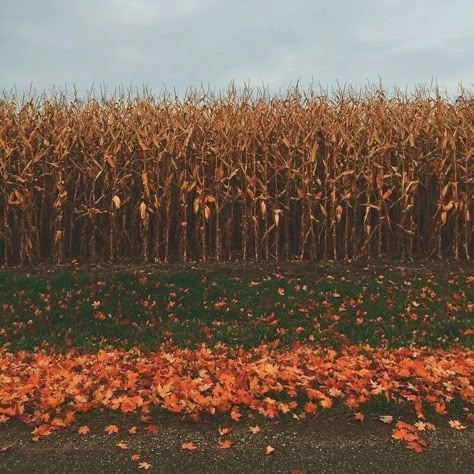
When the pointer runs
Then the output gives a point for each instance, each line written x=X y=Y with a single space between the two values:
x=180 y=43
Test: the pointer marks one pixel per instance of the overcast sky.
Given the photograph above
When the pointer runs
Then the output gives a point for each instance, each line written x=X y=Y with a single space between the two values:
x=181 y=43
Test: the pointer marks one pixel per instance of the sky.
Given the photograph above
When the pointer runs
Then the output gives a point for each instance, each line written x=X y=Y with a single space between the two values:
x=276 y=44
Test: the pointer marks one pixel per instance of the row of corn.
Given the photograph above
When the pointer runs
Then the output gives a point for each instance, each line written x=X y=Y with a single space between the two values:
x=236 y=176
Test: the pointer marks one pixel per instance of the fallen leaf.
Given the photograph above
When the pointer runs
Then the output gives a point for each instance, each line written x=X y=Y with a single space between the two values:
x=144 y=465
x=83 y=430
x=359 y=416
x=386 y=419
x=226 y=444
x=122 y=445
x=456 y=424
x=190 y=446
x=234 y=414
x=415 y=446
x=135 y=457
x=269 y=449
x=111 y=429
x=132 y=430
x=224 y=431
x=255 y=429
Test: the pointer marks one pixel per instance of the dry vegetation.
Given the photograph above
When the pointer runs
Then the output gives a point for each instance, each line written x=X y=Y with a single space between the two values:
x=305 y=176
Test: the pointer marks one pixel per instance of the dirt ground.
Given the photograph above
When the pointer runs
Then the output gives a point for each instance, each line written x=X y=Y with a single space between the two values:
x=318 y=446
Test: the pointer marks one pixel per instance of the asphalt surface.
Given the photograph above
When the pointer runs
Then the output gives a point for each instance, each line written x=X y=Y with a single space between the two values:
x=310 y=446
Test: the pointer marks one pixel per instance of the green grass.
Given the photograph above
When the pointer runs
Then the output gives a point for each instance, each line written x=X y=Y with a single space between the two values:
x=185 y=305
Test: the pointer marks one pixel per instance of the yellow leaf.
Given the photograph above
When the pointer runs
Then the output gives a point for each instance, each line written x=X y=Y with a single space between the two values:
x=116 y=201
x=142 y=210
x=144 y=465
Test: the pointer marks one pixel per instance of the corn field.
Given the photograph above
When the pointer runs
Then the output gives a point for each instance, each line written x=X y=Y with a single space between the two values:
x=247 y=176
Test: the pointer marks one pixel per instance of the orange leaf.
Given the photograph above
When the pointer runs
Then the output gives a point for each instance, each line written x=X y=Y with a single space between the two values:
x=255 y=429
x=405 y=426
x=135 y=457
x=226 y=444
x=224 y=431
x=310 y=407
x=415 y=446
x=189 y=446
x=326 y=403
x=359 y=416
x=400 y=434
x=234 y=414
x=132 y=430
x=111 y=429
x=83 y=430
x=122 y=445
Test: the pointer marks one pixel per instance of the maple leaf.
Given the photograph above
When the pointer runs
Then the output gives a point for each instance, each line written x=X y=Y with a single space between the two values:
x=359 y=416
x=310 y=407
x=151 y=428
x=144 y=465
x=190 y=446
x=132 y=430
x=4 y=419
x=135 y=457
x=281 y=291
x=405 y=426
x=415 y=446
x=122 y=445
x=456 y=424
x=401 y=434
x=42 y=430
x=111 y=429
x=326 y=403
x=234 y=414
x=386 y=419
x=226 y=444
x=83 y=430
x=420 y=426
x=255 y=429
x=224 y=431
x=269 y=449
